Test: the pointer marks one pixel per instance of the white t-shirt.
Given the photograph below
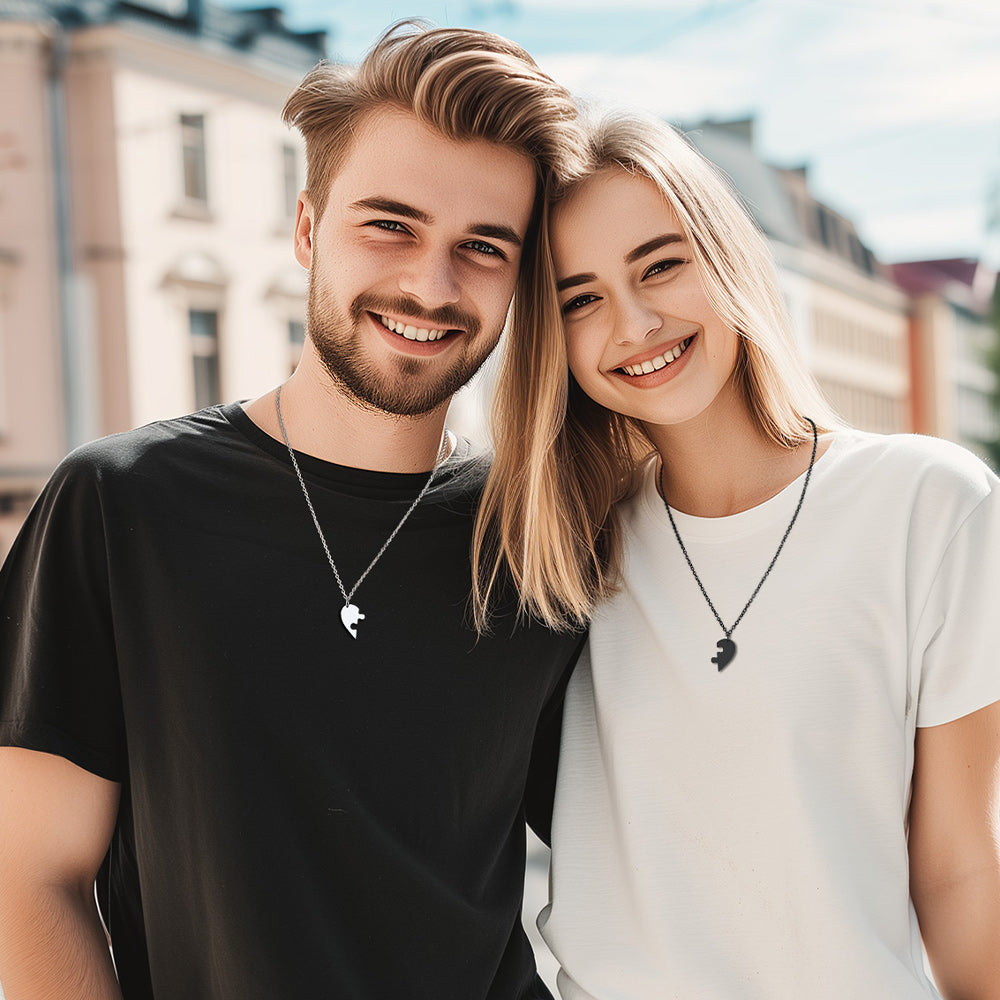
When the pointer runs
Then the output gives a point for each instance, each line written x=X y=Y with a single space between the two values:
x=742 y=835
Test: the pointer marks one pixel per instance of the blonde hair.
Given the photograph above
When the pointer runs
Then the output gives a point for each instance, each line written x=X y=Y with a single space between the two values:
x=466 y=84
x=563 y=462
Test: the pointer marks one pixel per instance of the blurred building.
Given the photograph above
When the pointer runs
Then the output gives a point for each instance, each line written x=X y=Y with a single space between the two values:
x=952 y=335
x=147 y=193
x=850 y=318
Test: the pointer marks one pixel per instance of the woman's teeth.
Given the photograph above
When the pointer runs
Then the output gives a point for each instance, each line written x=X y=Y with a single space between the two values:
x=411 y=332
x=661 y=361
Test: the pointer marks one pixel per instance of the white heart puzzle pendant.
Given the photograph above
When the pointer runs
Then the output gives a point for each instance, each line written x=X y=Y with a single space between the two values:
x=350 y=615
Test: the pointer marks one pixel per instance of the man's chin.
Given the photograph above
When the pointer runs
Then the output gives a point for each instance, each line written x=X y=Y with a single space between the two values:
x=383 y=395
x=401 y=385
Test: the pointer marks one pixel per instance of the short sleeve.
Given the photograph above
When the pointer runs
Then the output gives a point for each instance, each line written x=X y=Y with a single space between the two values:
x=59 y=690
x=956 y=639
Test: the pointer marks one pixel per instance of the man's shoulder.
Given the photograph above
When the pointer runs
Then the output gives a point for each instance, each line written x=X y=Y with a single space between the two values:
x=128 y=451
x=463 y=477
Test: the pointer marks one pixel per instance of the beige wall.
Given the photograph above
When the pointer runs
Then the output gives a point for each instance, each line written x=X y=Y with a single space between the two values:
x=31 y=391
x=142 y=257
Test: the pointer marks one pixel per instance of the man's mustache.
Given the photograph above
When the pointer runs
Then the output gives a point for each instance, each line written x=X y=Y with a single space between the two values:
x=445 y=318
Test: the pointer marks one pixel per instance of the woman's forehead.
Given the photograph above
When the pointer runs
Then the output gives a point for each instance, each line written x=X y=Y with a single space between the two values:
x=609 y=213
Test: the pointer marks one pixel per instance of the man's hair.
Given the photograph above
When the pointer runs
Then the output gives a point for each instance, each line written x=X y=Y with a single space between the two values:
x=564 y=462
x=466 y=84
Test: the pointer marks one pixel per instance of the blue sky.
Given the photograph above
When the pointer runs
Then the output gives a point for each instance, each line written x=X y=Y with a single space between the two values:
x=893 y=104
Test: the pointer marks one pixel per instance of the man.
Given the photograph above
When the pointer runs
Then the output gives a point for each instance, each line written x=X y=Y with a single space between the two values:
x=238 y=684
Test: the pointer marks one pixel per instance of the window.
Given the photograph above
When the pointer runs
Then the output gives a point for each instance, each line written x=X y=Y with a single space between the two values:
x=290 y=176
x=193 y=148
x=204 y=325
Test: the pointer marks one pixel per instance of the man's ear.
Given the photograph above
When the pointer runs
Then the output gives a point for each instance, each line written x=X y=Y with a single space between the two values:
x=304 y=222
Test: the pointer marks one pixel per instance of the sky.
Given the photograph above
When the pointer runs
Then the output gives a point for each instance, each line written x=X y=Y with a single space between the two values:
x=894 y=105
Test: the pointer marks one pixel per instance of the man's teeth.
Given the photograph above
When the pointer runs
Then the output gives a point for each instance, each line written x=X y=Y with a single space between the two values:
x=655 y=364
x=411 y=332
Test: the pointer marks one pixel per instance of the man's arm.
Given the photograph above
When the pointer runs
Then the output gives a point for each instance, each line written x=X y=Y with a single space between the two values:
x=954 y=847
x=56 y=821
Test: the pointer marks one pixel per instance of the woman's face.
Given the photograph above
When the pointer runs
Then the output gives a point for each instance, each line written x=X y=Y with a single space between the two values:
x=641 y=335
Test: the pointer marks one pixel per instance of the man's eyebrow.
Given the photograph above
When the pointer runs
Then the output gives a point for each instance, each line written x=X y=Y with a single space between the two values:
x=650 y=245
x=573 y=280
x=494 y=231
x=390 y=206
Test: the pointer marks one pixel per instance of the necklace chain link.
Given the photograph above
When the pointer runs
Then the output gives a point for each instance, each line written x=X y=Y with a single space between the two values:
x=348 y=594
x=729 y=631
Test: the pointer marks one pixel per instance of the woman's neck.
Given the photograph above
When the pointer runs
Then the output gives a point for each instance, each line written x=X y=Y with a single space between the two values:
x=721 y=463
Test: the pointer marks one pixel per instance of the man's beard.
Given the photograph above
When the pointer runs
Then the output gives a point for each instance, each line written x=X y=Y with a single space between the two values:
x=409 y=390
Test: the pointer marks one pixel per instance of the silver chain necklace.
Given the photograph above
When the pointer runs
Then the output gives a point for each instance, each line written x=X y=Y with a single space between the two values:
x=350 y=614
x=726 y=647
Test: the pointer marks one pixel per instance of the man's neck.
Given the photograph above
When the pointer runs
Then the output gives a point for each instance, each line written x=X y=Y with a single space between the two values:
x=323 y=421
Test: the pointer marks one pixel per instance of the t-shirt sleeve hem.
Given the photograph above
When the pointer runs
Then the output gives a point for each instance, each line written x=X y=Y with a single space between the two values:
x=944 y=714
x=30 y=735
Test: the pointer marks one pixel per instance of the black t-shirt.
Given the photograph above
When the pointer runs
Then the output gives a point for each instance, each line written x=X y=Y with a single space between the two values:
x=304 y=814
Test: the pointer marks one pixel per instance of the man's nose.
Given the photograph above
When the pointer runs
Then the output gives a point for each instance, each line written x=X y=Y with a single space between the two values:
x=430 y=278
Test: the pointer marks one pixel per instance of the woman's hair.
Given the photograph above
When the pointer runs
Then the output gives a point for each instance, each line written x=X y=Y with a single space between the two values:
x=548 y=516
x=466 y=84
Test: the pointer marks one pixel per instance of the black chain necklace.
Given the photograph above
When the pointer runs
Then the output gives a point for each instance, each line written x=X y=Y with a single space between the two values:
x=726 y=646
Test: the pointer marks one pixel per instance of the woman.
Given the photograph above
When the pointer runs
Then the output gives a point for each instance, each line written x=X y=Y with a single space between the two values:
x=780 y=755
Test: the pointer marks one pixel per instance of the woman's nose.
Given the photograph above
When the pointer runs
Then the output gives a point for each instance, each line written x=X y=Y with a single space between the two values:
x=636 y=322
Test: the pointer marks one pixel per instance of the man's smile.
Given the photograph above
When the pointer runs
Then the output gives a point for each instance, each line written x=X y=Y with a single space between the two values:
x=411 y=332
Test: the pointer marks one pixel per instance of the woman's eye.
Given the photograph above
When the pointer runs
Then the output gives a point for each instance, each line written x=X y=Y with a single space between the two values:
x=578 y=302
x=662 y=266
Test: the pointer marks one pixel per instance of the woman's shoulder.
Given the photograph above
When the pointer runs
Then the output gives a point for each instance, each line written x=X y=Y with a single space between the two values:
x=916 y=467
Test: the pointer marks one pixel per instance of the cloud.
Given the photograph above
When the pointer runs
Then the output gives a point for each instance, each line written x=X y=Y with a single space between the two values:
x=926 y=234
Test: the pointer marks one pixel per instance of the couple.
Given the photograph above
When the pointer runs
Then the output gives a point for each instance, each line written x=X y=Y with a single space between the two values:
x=780 y=745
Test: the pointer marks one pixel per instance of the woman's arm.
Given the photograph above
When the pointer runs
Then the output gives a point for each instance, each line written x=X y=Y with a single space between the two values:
x=954 y=846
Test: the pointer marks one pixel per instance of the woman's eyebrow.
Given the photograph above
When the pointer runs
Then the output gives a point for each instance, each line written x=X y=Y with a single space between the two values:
x=577 y=279
x=654 y=244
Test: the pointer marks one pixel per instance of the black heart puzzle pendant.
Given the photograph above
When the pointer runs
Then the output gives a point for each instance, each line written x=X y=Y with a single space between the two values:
x=727 y=650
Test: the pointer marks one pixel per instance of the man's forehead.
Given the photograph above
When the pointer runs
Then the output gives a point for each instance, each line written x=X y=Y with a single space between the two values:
x=467 y=182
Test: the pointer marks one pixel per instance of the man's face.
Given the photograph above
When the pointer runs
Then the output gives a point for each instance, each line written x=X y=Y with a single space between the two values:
x=413 y=262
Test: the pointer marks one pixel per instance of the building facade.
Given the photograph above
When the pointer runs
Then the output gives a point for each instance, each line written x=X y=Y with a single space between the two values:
x=147 y=196
x=848 y=315
x=952 y=336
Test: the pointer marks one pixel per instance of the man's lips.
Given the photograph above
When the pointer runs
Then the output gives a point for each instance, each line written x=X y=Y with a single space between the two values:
x=654 y=359
x=410 y=330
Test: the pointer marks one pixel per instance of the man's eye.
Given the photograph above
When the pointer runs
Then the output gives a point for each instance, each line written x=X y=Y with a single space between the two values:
x=389 y=225
x=578 y=302
x=485 y=248
x=662 y=266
